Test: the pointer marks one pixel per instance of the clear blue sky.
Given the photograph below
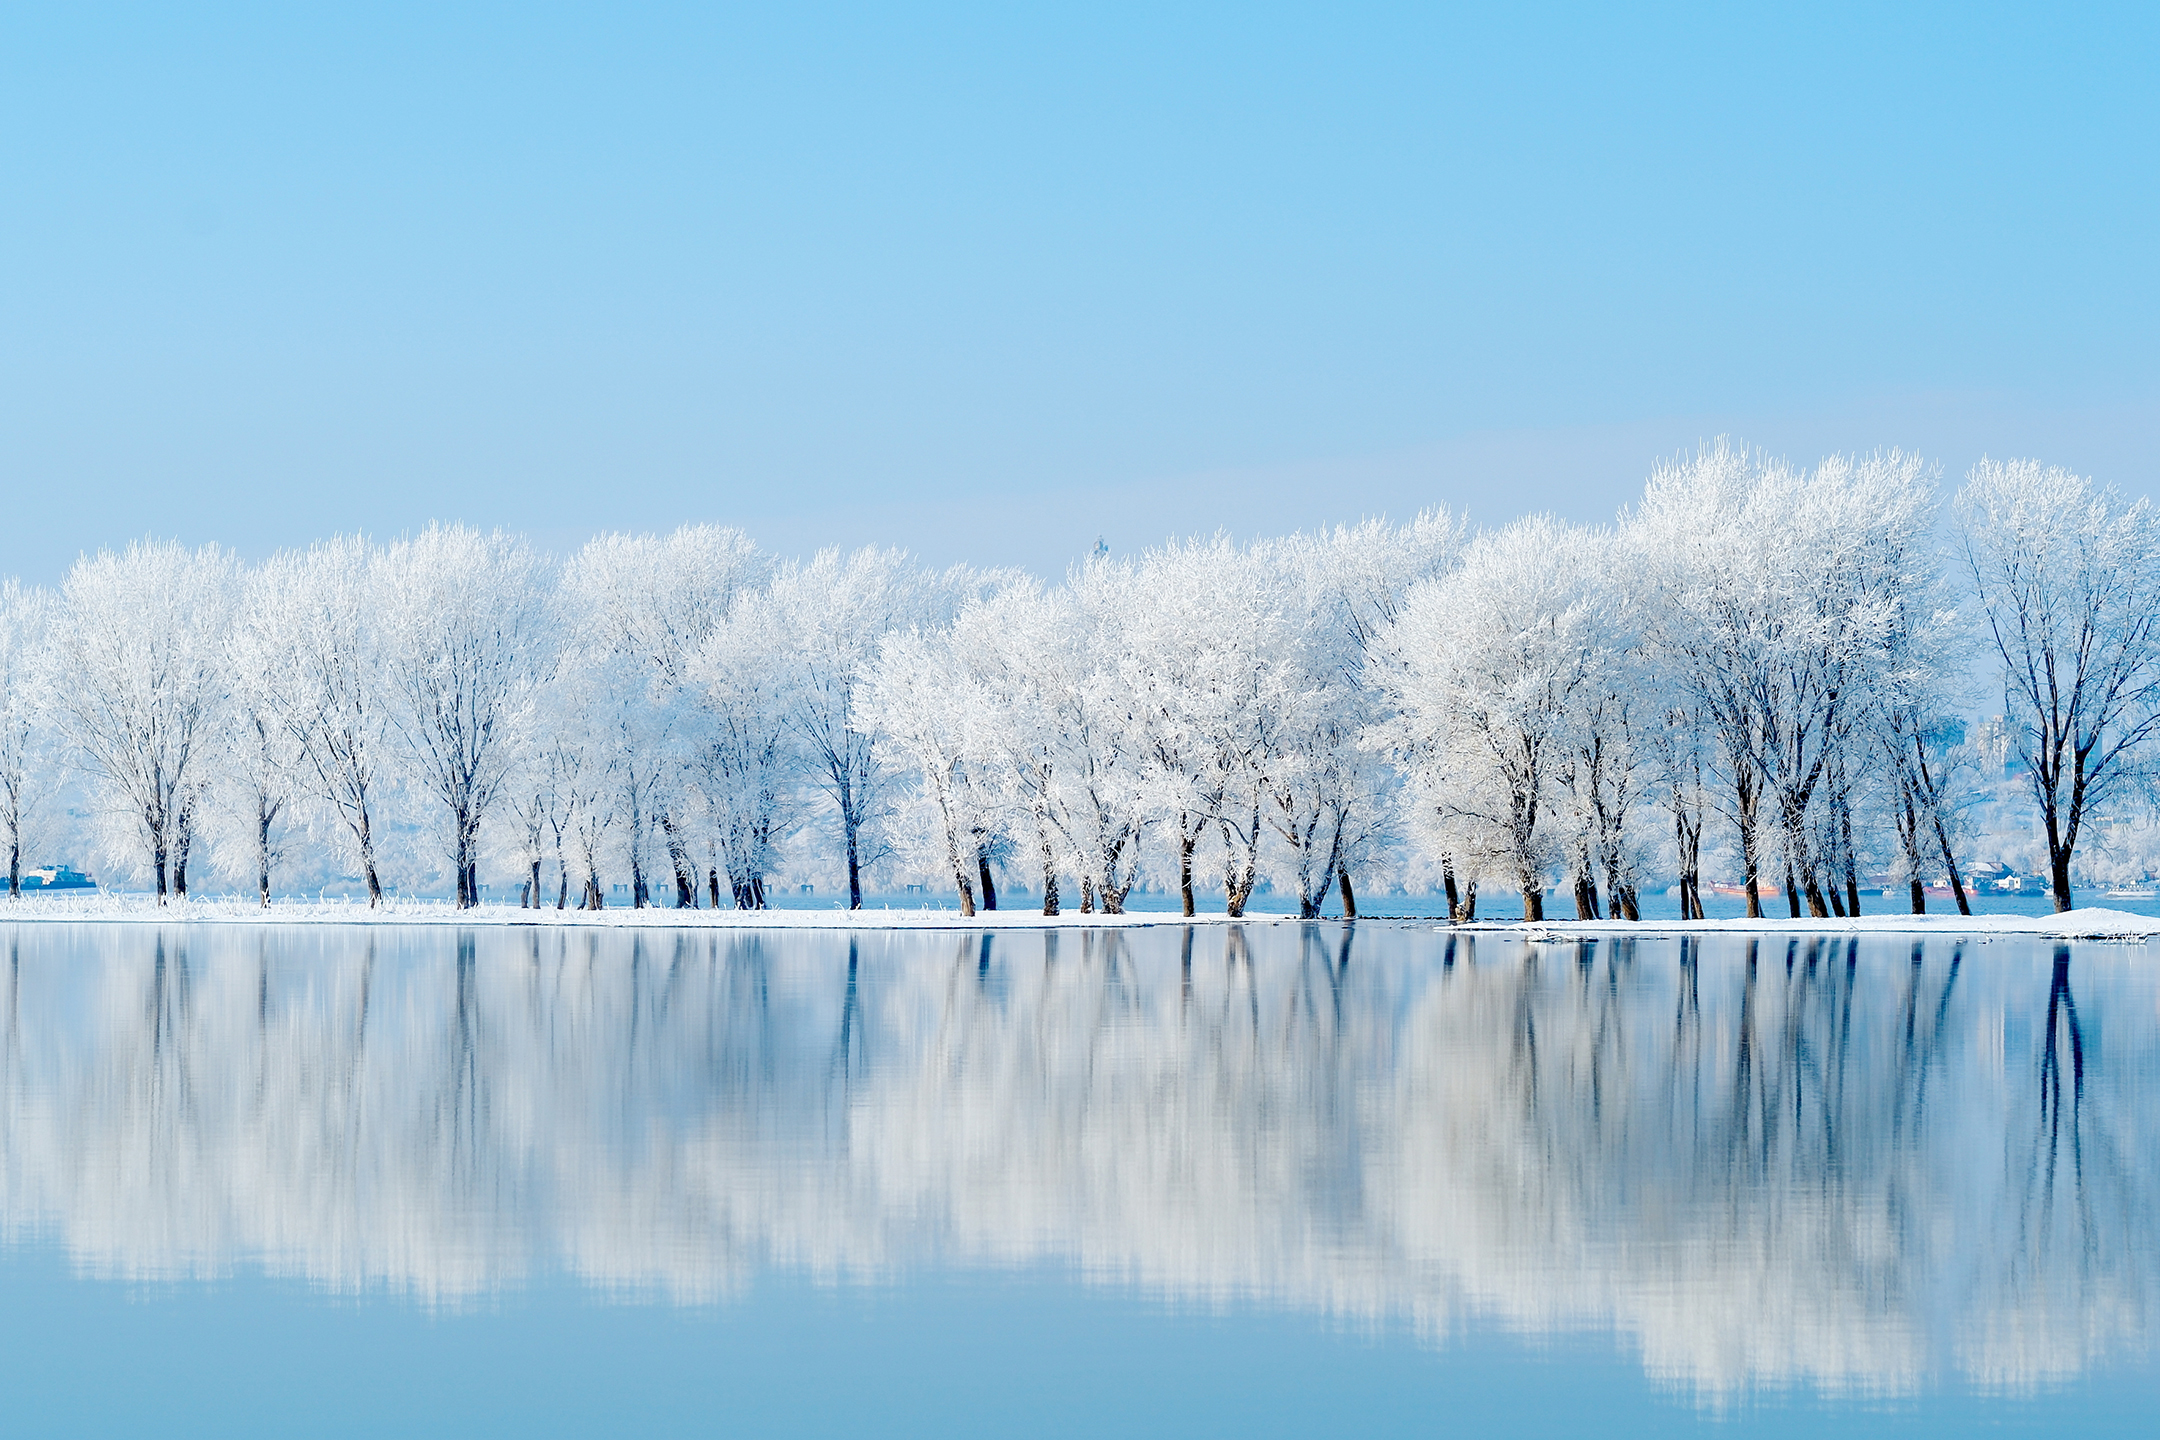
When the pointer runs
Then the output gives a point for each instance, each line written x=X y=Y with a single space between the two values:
x=988 y=282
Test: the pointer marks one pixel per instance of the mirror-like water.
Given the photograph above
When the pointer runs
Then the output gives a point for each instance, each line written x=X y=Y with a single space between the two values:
x=1247 y=1179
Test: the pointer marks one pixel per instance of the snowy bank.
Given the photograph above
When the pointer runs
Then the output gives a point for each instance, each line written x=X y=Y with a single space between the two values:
x=141 y=910
x=2083 y=924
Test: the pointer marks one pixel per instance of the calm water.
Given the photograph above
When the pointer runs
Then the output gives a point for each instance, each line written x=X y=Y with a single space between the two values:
x=1252 y=1181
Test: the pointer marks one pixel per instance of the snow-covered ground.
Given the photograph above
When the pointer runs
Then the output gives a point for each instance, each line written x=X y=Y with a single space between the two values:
x=140 y=909
x=2082 y=924
x=2091 y=923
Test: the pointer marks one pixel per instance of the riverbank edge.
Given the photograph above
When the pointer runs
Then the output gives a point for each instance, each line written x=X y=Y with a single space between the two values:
x=2093 y=923
x=2084 y=924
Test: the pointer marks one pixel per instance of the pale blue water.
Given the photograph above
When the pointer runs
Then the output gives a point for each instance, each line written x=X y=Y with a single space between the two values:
x=1287 y=1180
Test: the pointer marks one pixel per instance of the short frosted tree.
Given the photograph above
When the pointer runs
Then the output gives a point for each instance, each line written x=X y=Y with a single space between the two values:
x=258 y=760
x=747 y=755
x=927 y=706
x=2068 y=578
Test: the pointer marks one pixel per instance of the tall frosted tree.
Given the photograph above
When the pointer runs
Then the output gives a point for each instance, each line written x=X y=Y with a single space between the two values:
x=28 y=768
x=1493 y=655
x=656 y=601
x=836 y=610
x=467 y=640
x=142 y=651
x=315 y=624
x=2068 y=578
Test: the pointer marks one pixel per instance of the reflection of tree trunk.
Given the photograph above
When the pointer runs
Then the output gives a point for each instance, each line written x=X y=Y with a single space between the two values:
x=2062 y=1022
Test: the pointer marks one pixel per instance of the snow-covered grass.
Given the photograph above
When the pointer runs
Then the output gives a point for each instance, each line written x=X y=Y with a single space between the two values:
x=2082 y=924
x=142 y=909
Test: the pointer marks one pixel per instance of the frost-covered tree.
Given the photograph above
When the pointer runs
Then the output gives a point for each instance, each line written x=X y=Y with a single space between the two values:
x=747 y=760
x=658 y=601
x=836 y=610
x=467 y=639
x=1104 y=771
x=28 y=768
x=1206 y=661
x=142 y=655
x=1493 y=656
x=1005 y=650
x=927 y=706
x=315 y=628
x=259 y=762
x=1332 y=796
x=1775 y=599
x=2068 y=578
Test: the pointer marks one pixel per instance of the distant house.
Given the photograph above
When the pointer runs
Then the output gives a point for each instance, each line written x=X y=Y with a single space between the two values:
x=57 y=877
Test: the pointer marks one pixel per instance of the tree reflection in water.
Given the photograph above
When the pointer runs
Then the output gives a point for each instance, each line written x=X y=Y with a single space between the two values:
x=1858 y=1165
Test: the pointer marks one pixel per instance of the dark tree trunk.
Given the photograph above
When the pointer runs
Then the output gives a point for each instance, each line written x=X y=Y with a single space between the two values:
x=989 y=884
x=1349 y=896
x=1816 y=908
x=854 y=872
x=1919 y=896
x=1837 y=902
x=1957 y=883
x=1792 y=893
x=712 y=880
x=1188 y=841
x=264 y=815
x=1087 y=894
x=1447 y=882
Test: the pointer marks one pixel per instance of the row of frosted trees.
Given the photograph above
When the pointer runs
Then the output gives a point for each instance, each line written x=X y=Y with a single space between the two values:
x=1756 y=663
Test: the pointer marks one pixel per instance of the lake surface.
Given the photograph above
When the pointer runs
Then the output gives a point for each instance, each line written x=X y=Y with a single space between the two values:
x=1232 y=1180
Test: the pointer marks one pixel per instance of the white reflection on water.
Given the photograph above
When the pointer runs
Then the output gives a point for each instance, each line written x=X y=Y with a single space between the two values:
x=1861 y=1166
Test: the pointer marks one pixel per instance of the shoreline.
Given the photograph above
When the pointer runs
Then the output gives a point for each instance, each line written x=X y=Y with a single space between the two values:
x=2090 y=923
x=132 y=910
x=2084 y=923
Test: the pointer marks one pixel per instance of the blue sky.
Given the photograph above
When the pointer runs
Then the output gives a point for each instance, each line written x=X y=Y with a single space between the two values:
x=989 y=282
